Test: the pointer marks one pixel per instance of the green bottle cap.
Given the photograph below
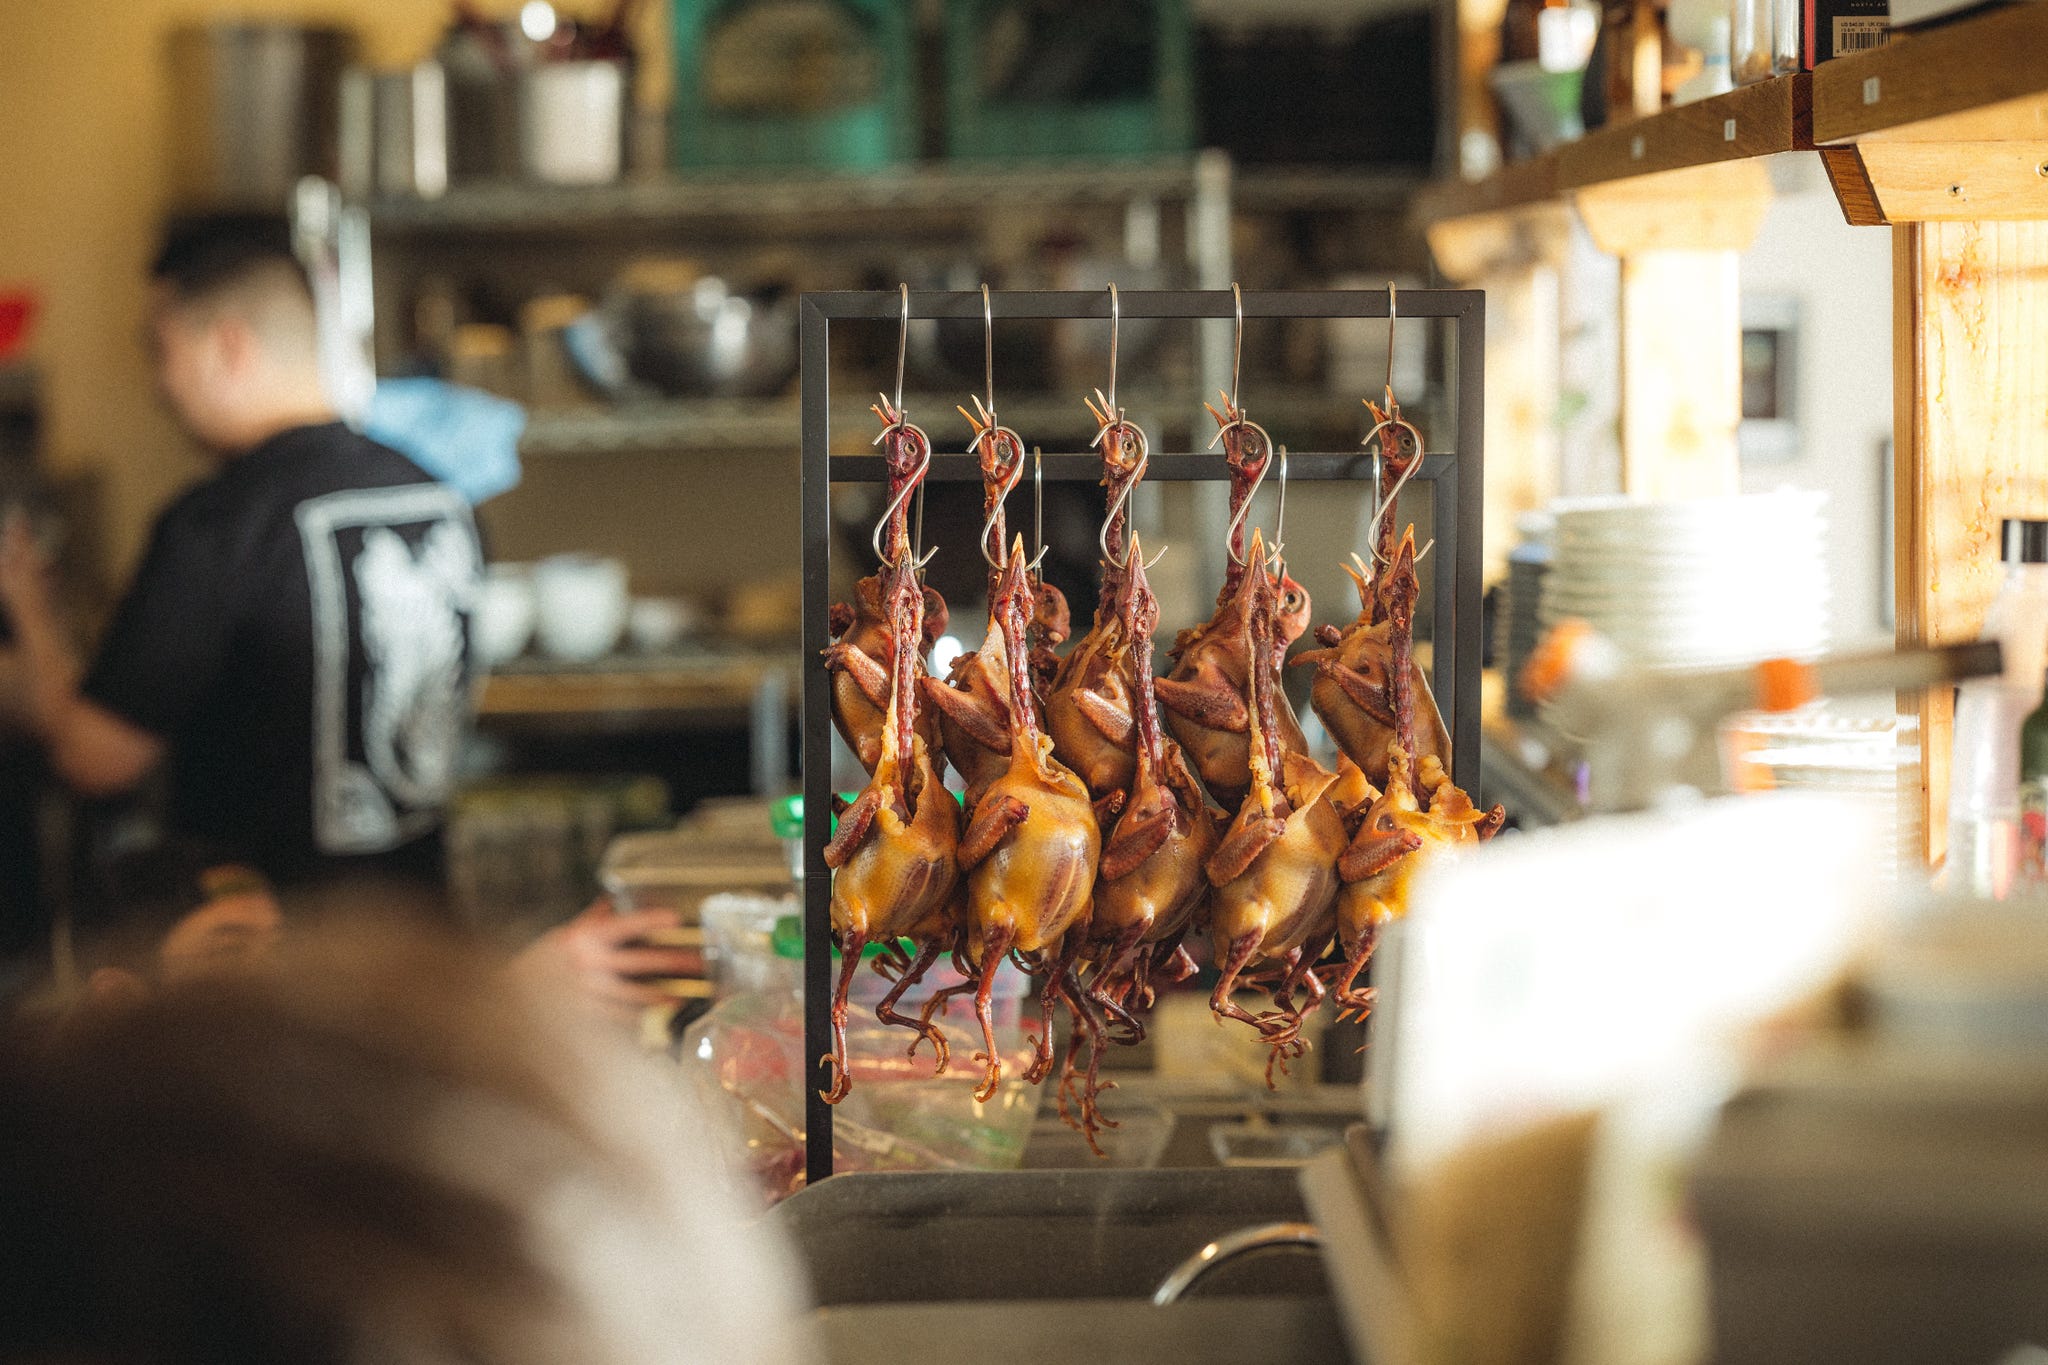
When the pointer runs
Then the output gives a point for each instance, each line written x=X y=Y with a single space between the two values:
x=788 y=941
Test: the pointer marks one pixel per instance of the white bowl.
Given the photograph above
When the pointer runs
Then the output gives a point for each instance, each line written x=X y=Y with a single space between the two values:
x=655 y=624
x=582 y=602
x=502 y=624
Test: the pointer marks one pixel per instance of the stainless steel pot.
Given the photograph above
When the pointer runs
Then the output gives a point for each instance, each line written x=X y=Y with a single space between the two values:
x=254 y=106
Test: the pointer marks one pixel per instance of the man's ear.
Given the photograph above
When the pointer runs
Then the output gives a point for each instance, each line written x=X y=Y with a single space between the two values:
x=236 y=344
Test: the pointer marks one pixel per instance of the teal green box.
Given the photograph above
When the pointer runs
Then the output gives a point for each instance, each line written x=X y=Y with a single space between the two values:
x=1156 y=119
x=737 y=74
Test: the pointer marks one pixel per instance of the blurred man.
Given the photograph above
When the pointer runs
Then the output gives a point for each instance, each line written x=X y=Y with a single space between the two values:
x=293 y=651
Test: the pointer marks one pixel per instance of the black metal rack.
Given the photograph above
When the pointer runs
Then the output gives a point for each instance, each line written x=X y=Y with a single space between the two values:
x=1454 y=476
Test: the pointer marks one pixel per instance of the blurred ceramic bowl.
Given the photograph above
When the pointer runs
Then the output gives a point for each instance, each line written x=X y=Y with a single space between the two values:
x=581 y=606
x=502 y=625
x=655 y=624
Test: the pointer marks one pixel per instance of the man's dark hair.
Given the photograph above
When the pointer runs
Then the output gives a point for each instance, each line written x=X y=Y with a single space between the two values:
x=204 y=255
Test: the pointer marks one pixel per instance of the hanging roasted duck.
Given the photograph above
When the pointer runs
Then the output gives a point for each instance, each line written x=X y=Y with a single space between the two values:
x=863 y=647
x=1275 y=871
x=1204 y=693
x=1153 y=877
x=1030 y=852
x=1415 y=812
x=894 y=856
x=972 y=701
x=1088 y=708
x=1353 y=690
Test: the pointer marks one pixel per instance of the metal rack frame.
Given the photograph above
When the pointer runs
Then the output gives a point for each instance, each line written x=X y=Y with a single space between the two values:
x=1454 y=476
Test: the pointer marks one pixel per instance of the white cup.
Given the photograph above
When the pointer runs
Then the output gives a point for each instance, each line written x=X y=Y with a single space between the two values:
x=581 y=606
x=571 y=122
x=503 y=621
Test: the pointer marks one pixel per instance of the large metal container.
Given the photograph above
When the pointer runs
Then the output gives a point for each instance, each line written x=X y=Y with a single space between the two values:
x=254 y=106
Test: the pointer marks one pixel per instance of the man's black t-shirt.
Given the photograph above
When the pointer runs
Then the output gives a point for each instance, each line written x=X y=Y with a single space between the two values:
x=298 y=636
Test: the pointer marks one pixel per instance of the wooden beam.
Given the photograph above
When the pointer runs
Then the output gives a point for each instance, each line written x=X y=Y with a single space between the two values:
x=1970 y=400
x=1715 y=207
x=1757 y=120
x=1981 y=78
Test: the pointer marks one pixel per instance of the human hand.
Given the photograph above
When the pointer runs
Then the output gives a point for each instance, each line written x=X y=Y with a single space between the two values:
x=602 y=956
x=24 y=571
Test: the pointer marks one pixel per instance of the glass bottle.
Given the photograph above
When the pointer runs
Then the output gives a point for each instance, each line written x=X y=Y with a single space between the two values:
x=2033 y=853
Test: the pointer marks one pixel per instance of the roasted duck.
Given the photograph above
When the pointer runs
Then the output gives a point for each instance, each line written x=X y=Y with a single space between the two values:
x=1393 y=831
x=895 y=854
x=1275 y=871
x=1396 y=835
x=1353 y=690
x=863 y=648
x=1030 y=852
x=1088 y=708
x=972 y=701
x=1153 y=877
x=1204 y=694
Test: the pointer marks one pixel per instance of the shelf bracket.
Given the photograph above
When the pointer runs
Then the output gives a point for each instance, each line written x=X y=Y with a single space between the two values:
x=1884 y=182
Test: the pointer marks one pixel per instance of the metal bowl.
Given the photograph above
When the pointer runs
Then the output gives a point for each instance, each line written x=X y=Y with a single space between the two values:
x=707 y=341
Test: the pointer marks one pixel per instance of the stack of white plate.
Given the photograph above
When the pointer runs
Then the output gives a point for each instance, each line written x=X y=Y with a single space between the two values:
x=1873 y=763
x=1697 y=583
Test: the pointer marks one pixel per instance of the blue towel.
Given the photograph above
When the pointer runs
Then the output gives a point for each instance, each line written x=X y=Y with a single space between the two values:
x=466 y=438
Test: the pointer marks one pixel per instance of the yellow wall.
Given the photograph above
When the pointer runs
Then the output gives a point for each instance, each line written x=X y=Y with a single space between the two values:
x=82 y=187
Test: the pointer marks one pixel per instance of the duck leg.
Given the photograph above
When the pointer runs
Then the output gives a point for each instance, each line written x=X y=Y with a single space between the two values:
x=993 y=951
x=1056 y=974
x=842 y=1075
x=910 y=976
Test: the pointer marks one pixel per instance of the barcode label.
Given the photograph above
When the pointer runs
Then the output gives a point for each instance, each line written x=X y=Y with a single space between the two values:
x=1861 y=34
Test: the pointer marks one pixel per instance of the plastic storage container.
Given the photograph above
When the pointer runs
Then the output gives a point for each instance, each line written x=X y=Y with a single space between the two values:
x=748 y=1054
x=759 y=83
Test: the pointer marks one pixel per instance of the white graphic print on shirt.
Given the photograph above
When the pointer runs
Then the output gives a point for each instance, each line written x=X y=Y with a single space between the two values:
x=392 y=572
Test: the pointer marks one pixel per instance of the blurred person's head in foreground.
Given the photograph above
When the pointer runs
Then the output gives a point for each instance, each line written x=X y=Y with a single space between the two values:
x=174 y=910
x=377 y=1146
x=231 y=328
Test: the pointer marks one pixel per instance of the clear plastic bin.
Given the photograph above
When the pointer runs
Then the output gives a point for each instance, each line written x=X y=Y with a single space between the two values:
x=748 y=1053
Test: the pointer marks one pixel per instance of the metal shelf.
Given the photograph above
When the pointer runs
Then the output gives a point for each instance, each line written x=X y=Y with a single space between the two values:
x=697 y=424
x=689 y=425
x=822 y=197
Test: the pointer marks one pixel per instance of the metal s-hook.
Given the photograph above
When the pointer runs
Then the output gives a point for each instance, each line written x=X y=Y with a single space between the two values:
x=896 y=503
x=1116 y=317
x=1230 y=534
x=902 y=344
x=1393 y=315
x=1279 y=517
x=1037 y=508
x=1382 y=506
x=1236 y=339
x=988 y=350
x=1116 y=426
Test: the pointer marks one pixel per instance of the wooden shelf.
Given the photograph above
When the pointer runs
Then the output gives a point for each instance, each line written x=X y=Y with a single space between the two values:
x=1977 y=79
x=1757 y=120
x=626 y=693
x=1518 y=184
x=1975 y=87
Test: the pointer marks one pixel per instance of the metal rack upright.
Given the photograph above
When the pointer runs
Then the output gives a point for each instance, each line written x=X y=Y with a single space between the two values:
x=1454 y=476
